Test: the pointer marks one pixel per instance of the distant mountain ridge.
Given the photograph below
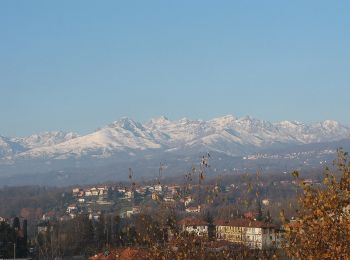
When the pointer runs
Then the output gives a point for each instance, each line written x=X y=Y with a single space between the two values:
x=235 y=145
x=228 y=135
x=10 y=147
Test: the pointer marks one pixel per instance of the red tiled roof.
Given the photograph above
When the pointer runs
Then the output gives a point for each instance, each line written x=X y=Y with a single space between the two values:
x=191 y=221
x=51 y=213
x=251 y=214
x=243 y=223
x=122 y=254
x=293 y=225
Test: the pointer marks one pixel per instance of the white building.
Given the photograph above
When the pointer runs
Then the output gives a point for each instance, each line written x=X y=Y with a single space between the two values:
x=253 y=234
x=72 y=208
x=133 y=211
x=193 y=209
x=121 y=190
x=75 y=191
x=173 y=189
x=94 y=191
x=169 y=199
x=187 y=200
x=195 y=226
x=265 y=202
x=158 y=188
x=94 y=216
x=102 y=190
x=129 y=195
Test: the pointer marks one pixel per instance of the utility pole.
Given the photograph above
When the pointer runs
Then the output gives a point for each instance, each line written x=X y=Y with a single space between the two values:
x=14 y=250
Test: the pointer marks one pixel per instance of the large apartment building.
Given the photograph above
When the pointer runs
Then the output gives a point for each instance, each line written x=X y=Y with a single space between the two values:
x=251 y=233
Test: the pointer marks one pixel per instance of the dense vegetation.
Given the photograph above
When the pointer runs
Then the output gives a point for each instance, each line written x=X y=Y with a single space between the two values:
x=13 y=239
x=315 y=217
x=322 y=227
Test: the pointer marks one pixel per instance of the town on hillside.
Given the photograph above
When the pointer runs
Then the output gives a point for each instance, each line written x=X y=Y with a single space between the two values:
x=221 y=214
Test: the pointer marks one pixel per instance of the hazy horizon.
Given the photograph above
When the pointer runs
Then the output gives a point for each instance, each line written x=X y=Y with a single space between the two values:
x=87 y=131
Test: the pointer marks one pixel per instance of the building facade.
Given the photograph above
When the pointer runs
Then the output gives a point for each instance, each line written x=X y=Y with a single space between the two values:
x=253 y=234
x=195 y=226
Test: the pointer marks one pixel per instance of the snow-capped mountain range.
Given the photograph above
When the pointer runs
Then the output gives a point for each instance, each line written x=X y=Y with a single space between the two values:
x=228 y=135
x=235 y=145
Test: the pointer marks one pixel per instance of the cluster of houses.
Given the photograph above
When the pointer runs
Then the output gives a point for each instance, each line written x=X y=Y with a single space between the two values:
x=248 y=232
x=105 y=195
x=88 y=192
x=2 y=219
x=109 y=195
x=157 y=192
x=166 y=193
x=88 y=198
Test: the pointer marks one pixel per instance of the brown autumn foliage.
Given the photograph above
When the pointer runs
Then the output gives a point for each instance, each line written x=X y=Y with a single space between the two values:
x=322 y=227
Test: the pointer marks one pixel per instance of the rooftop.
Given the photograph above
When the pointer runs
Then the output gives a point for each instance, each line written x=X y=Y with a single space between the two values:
x=244 y=223
x=191 y=221
x=122 y=254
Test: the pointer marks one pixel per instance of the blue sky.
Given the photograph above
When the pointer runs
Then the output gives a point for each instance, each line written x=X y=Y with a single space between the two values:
x=78 y=65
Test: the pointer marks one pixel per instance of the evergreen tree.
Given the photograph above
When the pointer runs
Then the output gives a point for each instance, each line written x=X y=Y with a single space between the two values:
x=117 y=240
x=101 y=231
x=85 y=236
x=211 y=228
x=7 y=239
x=260 y=216
x=268 y=217
x=16 y=224
x=22 y=240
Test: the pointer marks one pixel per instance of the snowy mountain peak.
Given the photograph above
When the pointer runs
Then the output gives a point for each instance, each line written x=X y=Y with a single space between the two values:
x=159 y=121
x=227 y=134
x=45 y=139
x=185 y=120
x=248 y=120
x=224 y=120
x=127 y=124
x=162 y=118
x=287 y=124
x=330 y=124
